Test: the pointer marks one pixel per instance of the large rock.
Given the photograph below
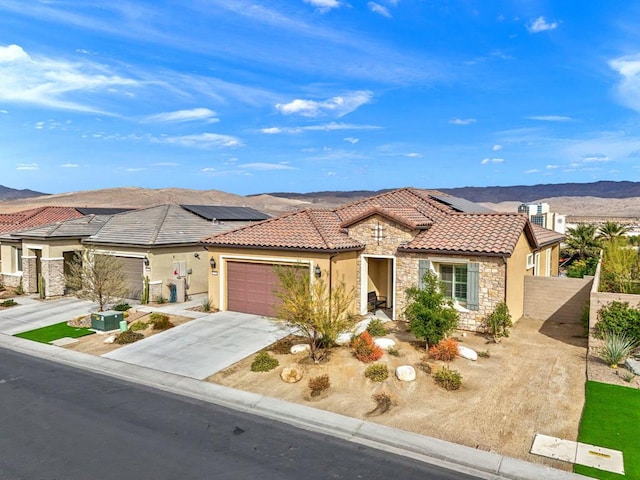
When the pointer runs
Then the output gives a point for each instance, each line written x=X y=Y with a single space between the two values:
x=468 y=353
x=344 y=338
x=361 y=326
x=291 y=374
x=385 y=343
x=406 y=373
x=633 y=365
x=301 y=347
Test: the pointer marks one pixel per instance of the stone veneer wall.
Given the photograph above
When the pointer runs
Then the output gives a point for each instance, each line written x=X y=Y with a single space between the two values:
x=155 y=291
x=53 y=276
x=491 y=286
x=29 y=275
x=11 y=279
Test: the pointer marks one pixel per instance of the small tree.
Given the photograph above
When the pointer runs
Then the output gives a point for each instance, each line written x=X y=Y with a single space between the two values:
x=581 y=241
x=499 y=322
x=620 y=267
x=319 y=314
x=96 y=277
x=430 y=314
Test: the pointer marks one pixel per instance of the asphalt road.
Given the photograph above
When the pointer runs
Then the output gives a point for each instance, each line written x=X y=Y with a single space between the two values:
x=58 y=422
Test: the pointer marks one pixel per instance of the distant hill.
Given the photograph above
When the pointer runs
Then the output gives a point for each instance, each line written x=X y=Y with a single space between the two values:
x=7 y=193
x=518 y=193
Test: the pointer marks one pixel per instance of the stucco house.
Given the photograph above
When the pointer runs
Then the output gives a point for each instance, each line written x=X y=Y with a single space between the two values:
x=161 y=242
x=384 y=244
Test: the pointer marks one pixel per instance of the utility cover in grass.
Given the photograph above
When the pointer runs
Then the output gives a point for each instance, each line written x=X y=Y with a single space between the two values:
x=54 y=332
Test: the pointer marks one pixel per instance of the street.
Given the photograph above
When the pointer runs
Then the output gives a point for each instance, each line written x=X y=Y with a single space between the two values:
x=58 y=422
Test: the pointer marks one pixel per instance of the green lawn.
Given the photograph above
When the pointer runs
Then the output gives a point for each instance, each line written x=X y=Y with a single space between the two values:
x=54 y=332
x=611 y=419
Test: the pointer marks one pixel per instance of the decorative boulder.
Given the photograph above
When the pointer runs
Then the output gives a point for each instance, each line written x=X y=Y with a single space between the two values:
x=406 y=373
x=468 y=353
x=633 y=365
x=301 y=347
x=291 y=374
x=110 y=339
x=344 y=338
x=361 y=326
x=384 y=343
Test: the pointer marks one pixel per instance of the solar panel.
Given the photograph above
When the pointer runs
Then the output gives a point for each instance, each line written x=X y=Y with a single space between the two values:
x=461 y=204
x=226 y=213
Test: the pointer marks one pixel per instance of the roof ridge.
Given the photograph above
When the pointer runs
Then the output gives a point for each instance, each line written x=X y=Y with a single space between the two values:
x=254 y=224
x=429 y=199
x=160 y=224
x=371 y=199
x=317 y=227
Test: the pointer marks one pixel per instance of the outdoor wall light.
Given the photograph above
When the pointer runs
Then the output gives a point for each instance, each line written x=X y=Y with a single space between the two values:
x=318 y=271
x=212 y=262
x=145 y=260
x=197 y=255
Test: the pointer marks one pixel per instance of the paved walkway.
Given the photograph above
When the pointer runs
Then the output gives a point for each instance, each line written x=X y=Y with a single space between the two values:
x=31 y=313
x=203 y=346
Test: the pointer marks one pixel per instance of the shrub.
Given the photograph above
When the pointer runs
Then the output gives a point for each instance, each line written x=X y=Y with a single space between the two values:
x=580 y=268
x=628 y=376
x=446 y=350
x=394 y=352
x=619 y=318
x=424 y=364
x=616 y=348
x=137 y=326
x=378 y=372
x=383 y=403
x=128 y=337
x=283 y=346
x=160 y=321
x=319 y=384
x=263 y=362
x=8 y=303
x=161 y=299
x=122 y=307
x=206 y=305
x=499 y=322
x=364 y=349
x=484 y=353
x=448 y=379
x=376 y=328
x=20 y=288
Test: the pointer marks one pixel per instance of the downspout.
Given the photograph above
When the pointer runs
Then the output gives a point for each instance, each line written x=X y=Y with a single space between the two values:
x=331 y=279
x=506 y=283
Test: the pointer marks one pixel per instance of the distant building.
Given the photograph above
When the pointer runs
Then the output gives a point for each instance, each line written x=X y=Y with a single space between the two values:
x=540 y=214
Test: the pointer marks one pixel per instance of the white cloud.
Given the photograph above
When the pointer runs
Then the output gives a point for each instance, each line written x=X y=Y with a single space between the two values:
x=271 y=130
x=208 y=169
x=326 y=127
x=165 y=164
x=379 y=9
x=27 y=166
x=69 y=165
x=352 y=140
x=540 y=25
x=413 y=155
x=323 y=5
x=331 y=174
x=49 y=83
x=4 y=111
x=550 y=118
x=201 y=140
x=533 y=170
x=462 y=121
x=185 y=116
x=552 y=167
x=135 y=169
x=336 y=106
x=595 y=158
x=496 y=148
x=628 y=90
x=266 y=166
x=486 y=161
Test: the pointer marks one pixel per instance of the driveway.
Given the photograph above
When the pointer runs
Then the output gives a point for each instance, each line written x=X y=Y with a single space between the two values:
x=203 y=346
x=31 y=313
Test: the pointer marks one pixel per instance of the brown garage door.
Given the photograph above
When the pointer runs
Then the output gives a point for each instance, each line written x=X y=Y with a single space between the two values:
x=133 y=270
x=250 y=288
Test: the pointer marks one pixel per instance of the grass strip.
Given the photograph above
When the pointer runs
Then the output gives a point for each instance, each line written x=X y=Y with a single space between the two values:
x=54 y=332
x=610 y=419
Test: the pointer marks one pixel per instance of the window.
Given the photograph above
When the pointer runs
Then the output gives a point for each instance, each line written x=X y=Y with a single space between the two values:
x=454 y=282
x=530 y=261
x=18 y=259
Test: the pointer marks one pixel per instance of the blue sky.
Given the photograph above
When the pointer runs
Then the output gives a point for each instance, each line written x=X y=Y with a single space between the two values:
x=306 y=95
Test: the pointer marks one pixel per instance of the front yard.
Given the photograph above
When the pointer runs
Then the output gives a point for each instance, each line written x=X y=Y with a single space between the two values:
x=532 y=382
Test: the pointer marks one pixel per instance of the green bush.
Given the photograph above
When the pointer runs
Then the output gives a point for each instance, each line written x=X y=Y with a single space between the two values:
x=263 y=362
x=448 y=379
x=499 y=321
x=394 y=352
x=580 y=268
x=206 y=305
x=376 y=328
x=121 y=307
x=160 y=299
x=618 y=318
x=128 y=337
x=319 y=384
x=160 y=321
x=137 y=326
x=616 y=348
x=378 y=372
x=8 y=303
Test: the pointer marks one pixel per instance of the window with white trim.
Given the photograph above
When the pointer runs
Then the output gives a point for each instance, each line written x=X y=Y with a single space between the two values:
x=18 y=258
x=454 y=282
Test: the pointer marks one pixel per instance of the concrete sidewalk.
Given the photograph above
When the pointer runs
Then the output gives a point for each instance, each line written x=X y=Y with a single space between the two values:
x=455 y=457
x=30 y=313
x=204 y=346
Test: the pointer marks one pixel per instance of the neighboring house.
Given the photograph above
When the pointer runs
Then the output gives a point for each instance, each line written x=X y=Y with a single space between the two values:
x=161 y=243
x=384 y=244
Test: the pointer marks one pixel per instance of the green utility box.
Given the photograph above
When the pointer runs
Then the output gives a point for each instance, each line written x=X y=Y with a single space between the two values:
x=106 y=321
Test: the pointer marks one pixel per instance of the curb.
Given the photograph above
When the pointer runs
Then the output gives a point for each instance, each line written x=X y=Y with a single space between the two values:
x=451 y=456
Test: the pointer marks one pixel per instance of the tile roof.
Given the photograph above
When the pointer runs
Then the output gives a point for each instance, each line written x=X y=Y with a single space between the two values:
x=74 y=228
x=10 y=222
x=544 y=236
x=439 y=223
x=485 y=233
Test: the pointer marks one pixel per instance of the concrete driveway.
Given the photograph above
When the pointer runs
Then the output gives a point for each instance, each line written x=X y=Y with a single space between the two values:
x=31 y=313
x=203 y=346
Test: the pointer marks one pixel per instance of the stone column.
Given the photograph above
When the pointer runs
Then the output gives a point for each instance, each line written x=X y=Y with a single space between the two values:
x=29 y=274
x=53 y=276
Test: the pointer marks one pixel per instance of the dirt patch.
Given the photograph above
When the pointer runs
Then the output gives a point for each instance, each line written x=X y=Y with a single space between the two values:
x=532 y=382
x=599 y=371
x=95 y=345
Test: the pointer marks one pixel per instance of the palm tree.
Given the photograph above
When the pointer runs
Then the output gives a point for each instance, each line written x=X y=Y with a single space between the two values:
x=611 y=230
x=581 y=240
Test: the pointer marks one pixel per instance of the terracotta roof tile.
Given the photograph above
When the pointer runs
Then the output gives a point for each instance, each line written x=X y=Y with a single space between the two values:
x=10 y=222
x=544 y=236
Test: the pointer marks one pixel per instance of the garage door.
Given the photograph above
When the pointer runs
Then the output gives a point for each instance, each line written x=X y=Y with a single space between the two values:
x=133 y=270
x=251 y=287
